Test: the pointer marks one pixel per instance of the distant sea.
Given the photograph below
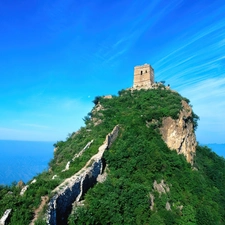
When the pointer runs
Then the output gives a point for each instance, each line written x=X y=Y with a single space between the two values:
x=22 y=160
x=218 y=148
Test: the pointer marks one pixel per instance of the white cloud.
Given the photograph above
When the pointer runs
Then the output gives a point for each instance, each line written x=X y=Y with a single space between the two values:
x=208 y=100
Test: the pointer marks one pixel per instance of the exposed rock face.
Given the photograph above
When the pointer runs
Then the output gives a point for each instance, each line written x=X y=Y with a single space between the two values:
x=24 y=190
x=161 y=187
x=151 y=202
x=96 y=112
x=168 y=207
x=73 y=188
x=67 y=167
x=82 y=151
x=179 y=134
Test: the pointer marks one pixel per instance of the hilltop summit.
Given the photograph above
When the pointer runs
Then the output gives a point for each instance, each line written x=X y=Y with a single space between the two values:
x=136 y=161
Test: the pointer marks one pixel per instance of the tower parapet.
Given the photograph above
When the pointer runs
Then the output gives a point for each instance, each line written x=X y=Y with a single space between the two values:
x=143 y=76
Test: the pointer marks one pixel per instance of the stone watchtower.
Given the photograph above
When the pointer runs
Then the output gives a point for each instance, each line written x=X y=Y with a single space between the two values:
x=143 y=76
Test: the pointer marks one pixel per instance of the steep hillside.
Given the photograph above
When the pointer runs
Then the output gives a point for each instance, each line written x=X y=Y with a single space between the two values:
x=136 y=161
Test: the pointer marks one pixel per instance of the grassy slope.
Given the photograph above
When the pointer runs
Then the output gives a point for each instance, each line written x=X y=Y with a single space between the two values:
x=138 y=157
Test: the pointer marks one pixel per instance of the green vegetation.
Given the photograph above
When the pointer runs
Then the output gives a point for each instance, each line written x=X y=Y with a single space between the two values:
x=136 y=159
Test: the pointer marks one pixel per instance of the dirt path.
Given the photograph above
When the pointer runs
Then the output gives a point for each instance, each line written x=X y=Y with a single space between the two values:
x=44 y=200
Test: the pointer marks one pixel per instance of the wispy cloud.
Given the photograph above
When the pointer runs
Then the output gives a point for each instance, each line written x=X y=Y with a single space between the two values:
x=132 y=20
x=188 y=64
x=84 y=45
x=211 y=90
x=194 y=65
x=195 y=53
x=207 y=98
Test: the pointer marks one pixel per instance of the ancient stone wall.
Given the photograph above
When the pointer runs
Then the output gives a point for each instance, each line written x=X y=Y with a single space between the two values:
x=5 y=218
x=60 y=205
x=73 y=188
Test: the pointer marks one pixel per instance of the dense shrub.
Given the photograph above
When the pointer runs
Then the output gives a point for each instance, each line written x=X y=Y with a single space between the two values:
x=137 y=158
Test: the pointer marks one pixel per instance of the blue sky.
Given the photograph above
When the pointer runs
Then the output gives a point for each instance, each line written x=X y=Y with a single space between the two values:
x=56 y=56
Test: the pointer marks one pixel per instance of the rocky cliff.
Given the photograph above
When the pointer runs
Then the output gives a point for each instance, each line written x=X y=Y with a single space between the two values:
x=145 y=182
x=179 y=133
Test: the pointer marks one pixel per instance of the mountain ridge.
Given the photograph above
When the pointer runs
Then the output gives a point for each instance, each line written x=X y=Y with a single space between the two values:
x=144 y=182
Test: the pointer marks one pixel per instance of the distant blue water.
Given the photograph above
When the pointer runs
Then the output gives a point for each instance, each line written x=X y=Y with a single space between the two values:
x=219 y=149
x=21 y=160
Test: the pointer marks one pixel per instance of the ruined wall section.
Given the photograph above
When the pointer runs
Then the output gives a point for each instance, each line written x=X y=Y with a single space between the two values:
x=73 y=188
x=60 y=205
x=5 y=218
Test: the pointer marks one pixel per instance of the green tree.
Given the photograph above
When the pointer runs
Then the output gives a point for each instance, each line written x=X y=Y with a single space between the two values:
x=155 y=219
x=188 y=216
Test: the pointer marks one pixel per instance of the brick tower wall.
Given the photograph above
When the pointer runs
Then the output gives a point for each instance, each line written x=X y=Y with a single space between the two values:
x=143 y=76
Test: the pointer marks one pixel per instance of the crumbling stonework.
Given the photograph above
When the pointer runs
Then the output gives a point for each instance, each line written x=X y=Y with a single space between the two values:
x=24 y=190
x=26 y=187
x=5 y=218
x=179 y=134
x=73 y=188
x=161 y=188
x=102 y=177
x=82 y=151
x=67 y=167
x=168 y=206
x=107 y=97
